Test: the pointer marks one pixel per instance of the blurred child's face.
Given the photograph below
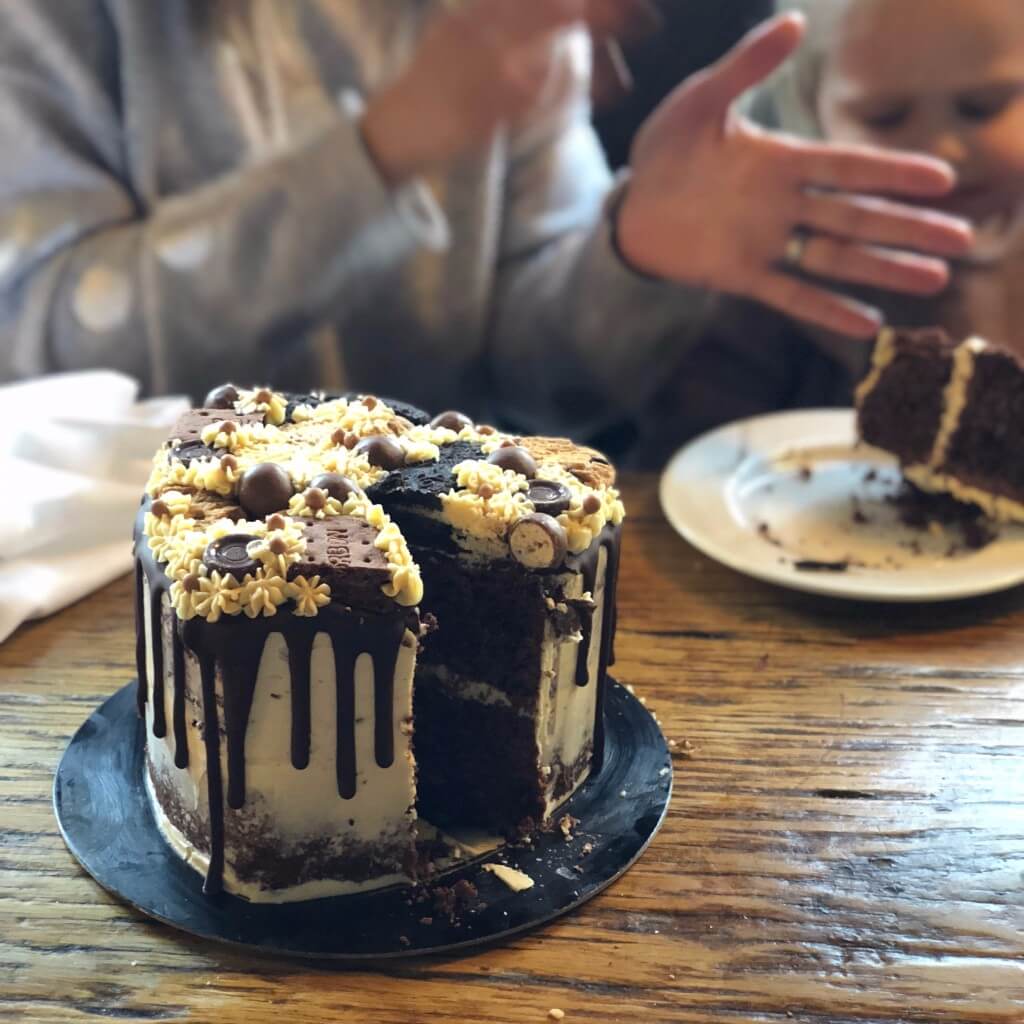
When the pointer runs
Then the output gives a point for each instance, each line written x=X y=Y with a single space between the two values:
x=938 y=76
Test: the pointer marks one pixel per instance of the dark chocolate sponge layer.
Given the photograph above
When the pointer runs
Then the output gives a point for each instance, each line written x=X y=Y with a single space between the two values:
x=903 y=412
x=987 y=449
x=421 y=485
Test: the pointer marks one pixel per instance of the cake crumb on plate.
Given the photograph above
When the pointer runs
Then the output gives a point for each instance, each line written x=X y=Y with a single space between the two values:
x=566 y=824
x=517 y=881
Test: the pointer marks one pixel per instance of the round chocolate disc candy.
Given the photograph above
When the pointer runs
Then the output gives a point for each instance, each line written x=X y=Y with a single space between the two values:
x=337 y=486
x=519 y=460
x=190 y=451
x=452 y=420
x=538 y=541
x=264 y=489
x=230 y=554
x=549 y=497
x=223 y=397
x=382 y=452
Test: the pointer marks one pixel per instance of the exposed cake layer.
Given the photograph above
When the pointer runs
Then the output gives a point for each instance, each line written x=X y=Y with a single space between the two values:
x=953 y=414
x=901 y=402
x=985 y=450
x=536 y=682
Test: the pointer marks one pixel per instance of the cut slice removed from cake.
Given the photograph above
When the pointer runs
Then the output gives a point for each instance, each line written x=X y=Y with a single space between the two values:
x=953 y=414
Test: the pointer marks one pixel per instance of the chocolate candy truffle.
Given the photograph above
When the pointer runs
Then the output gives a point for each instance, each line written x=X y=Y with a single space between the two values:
x=265 y=489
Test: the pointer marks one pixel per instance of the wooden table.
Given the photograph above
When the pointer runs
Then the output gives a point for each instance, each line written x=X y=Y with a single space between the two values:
x=845 y=843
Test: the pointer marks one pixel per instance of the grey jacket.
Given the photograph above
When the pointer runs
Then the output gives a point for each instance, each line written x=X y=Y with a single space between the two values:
x=185 y=196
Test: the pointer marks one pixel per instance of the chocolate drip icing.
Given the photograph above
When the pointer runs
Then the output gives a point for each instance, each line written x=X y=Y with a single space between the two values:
x=345 y=675
x=239 y=673
x=140 y=637
x=215 y=794
x=234 y=647
x=300 y=657
x=156 y=596
x=180 y=731
x=385 y=658
x=587 y=564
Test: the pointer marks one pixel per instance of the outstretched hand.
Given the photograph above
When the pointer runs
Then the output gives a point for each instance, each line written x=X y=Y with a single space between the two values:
x=716 y=202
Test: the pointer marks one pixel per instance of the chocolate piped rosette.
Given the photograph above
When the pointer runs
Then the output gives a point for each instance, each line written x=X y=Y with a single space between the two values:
x=300 y=713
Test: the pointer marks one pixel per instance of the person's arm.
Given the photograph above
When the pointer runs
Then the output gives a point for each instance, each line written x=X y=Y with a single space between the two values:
x=91 y=275
x=712 y=203
x=578 y=338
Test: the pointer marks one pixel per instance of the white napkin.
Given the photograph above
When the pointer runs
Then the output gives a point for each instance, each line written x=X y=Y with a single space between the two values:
x=75 y=452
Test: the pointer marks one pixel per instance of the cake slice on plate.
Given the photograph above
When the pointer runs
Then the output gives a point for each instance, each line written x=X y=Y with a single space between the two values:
x=952 y=413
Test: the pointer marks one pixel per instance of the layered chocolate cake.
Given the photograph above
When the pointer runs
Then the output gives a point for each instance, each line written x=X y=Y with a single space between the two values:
x=952 y=413
x=351 y=618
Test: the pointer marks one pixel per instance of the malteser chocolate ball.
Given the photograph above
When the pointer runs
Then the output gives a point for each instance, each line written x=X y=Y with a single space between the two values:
x=382 y=452
x=549 y=496
x=230 y=555
x=452 y=420
x=265 y=489
x=337 y=486
x=591 y=504
x=519 y=460
x=538 y=541
x=223 y=397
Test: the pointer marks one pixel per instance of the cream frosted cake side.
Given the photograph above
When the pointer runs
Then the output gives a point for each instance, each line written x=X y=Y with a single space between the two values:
x=292 y=697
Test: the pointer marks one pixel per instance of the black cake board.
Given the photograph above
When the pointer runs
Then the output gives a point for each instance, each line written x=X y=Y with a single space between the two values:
x=106 y=820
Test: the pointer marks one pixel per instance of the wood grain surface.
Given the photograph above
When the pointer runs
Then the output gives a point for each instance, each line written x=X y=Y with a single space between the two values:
x=845 y=843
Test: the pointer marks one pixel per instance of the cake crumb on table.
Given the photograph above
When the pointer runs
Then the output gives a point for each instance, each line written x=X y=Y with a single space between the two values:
x=682 y=749
x=555 y=1014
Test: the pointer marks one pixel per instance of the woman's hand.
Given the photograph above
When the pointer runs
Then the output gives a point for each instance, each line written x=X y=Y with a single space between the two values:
x=718 y=203
x=483 y=63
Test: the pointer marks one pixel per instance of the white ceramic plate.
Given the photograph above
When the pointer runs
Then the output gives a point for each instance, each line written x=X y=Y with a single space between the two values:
x=764 y=495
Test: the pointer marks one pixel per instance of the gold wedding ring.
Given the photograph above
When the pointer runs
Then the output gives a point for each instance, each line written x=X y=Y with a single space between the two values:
x=796 y=247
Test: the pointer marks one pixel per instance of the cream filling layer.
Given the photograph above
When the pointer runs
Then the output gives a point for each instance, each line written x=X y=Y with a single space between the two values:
x=955 y=398
x=881 y=360
x=1002 y=509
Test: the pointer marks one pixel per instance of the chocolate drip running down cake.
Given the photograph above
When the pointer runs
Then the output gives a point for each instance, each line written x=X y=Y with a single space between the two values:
x=351 y=619
x=952 y=413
